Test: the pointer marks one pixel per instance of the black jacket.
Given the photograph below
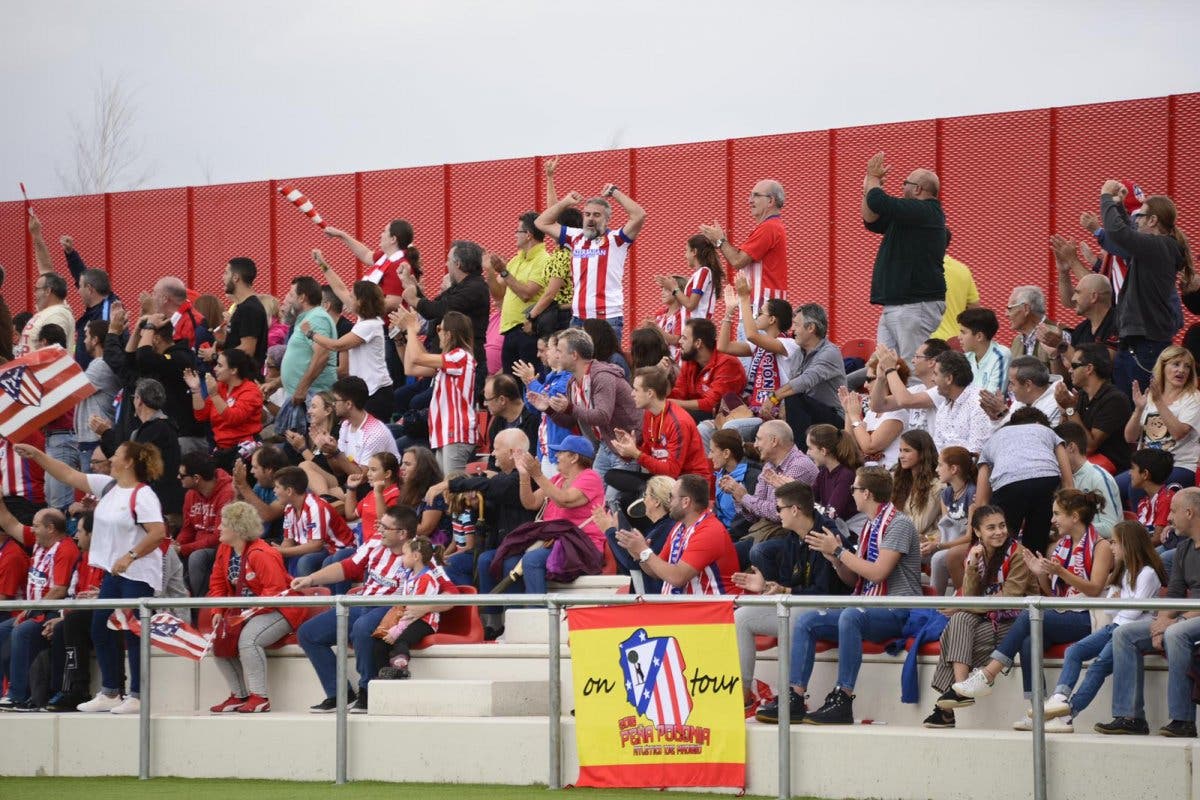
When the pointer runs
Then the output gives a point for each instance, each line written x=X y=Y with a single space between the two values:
x=161 y=432
x=469 y=296
x=502 y=509
x=167 y=368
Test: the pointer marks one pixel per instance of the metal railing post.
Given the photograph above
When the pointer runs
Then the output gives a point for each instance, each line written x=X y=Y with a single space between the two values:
x=783 y=648
x=1036 y=650
x=554 y=780
x=144 y=614
x=343 y=635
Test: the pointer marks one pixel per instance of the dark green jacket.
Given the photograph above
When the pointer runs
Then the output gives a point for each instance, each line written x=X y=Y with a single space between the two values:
x=908 y=266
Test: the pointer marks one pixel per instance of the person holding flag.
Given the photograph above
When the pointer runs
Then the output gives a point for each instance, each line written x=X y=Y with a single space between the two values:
x=125 y=544
x=888 y=562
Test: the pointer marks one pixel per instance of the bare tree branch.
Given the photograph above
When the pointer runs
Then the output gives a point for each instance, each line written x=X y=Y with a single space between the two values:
x=105 y=156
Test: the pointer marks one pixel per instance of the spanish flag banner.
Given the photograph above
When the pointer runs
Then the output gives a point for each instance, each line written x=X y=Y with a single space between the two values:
x=658 y=696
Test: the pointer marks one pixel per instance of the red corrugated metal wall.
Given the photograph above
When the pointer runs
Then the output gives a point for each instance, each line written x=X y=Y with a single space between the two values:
x=1008 y=181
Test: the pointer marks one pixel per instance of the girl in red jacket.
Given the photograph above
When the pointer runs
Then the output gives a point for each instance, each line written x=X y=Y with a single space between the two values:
x=247 y=567
x=233 y=406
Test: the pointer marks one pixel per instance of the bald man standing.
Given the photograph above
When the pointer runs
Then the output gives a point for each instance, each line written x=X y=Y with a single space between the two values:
x=1091 y=299
x=171 y=300
x=907 y=280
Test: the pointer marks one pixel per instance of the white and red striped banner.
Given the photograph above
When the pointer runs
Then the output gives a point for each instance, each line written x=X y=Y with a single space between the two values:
x=297 y=198
x=37 y=388
x=167 y=632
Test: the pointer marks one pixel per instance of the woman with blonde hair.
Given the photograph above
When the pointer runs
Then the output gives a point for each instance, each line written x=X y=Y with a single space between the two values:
x=277 y=331
x=1166 y=416
x=652 y=515
x=246 y=566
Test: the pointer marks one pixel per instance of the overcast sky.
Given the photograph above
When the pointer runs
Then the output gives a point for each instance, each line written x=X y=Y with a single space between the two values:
x=227 y=91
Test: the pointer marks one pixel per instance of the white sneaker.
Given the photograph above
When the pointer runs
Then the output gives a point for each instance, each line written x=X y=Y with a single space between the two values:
x=1056 y=706
x=101 y=702
x=1023 y=724
x=130 y=705
x=1055 y=725
x=976 y=685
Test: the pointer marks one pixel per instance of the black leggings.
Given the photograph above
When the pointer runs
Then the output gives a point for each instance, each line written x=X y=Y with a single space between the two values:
x=415 y=632
x=1028 y=504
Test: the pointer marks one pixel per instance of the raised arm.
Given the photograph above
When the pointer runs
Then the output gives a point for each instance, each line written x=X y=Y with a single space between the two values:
x=360 y=250
x=636 y=214
x=53 y=467
x=40 y=251
x=547 y=221
x=725 y=341
x=876 y=172
x=10 y=525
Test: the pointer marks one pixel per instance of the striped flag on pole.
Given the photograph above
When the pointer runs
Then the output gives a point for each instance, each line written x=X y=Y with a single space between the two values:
x=37 y=388
x=167 y=632
x=297 y=198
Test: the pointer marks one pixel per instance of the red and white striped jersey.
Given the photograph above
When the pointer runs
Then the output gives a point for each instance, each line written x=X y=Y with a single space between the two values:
x=672 y=322
x=21 y=478
x=767 y=275
x=424 y=583
x=451 y=414
x=701 y=283
x=598 y=268
x=52 y=566
x=378 y=569
x=316 y=519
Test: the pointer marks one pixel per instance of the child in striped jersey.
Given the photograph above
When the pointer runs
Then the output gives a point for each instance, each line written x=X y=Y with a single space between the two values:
x=465 y=510
x=404 y=626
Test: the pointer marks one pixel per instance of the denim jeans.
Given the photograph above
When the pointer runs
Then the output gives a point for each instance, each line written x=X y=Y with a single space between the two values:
x=340 y=555
x=108 y=653
x=1130 y=642
x=746 y=426
x=764 y=556
x=605 y=460
x=460 y=568
x=1058 y=627
x=617 y=323
x=1134 y=361
x=534 y=565
x=61 y=445
x=627 y=563
x=1097 y=646
x=25 y=644
x=848 y=627
x=307 y=564
x=318 y=638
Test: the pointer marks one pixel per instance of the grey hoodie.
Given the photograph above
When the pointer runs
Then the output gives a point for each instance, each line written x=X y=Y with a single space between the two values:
x=611 y=405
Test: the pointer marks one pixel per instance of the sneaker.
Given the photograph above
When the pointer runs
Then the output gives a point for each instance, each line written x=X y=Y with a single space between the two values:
x=975 y=686
x=1056 y=706
x=1123 y=726
x=130 y=705
x=1178 y=729
x=491 y=634
x=7 y=703
x=25 y=706
x=837 y=710
x=393 y=673
x=940 y=718
x=1060 y=725
x=255 y=704
x=769 y=712
x=229 y=704
x=101 y=702
x=329 y=704
x=360 y=704
x=951 y=699
x=62 y=701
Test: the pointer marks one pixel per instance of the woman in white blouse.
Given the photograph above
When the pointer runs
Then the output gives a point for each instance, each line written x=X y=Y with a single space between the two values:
x=126 y=535
x=877 y=435
x=1166 y=417
x=366 y=346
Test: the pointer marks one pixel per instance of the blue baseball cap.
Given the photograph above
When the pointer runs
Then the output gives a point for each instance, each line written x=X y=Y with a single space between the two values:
x=575 y=444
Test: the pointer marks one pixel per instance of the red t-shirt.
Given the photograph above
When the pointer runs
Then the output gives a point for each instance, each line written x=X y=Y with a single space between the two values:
x=706 y=548
x=14 y=567
x=767 y=274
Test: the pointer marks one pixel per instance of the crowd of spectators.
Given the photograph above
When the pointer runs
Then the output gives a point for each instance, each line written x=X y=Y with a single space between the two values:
x=369 y=437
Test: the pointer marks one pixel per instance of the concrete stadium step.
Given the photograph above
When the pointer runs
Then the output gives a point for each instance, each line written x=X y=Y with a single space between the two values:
x=590 y=584
x=459 y=698
x=531 y=626
x=905 y=762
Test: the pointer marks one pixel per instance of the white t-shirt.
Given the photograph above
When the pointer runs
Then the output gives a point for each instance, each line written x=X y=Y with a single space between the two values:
x=114 y=533
x=1155 y=434
x=367 y=361
x=872 y=421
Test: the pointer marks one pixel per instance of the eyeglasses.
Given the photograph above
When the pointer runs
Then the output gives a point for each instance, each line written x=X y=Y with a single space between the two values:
x=920 y=355
x=858 y=488
x=382 y=526
x=490 y=399
x=1079 y=364
x=781 y=509
x=1015 y=305
x=337 y=400
x=912 y=183
x=759 y=194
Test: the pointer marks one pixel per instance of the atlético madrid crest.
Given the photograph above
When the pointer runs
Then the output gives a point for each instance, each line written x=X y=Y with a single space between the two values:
x=655 y=684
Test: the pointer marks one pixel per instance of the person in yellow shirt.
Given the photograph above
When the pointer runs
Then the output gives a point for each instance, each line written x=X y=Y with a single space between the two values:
x=517 y=286
x=961 y=294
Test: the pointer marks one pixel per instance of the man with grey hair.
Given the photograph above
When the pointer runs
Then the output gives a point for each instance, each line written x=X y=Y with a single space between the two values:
x=818 y=372
x=1026 y=311
x=908 y=279
x=1029 y=384
x=152 y=426
x=597 y=253
x=762 y=258
x=1173 y=632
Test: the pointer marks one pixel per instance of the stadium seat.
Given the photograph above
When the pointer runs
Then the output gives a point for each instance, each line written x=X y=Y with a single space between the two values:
x=309 y=613
x=459 y=625
x=610 y=561
x=1132 y=517
x=764 y=642
x=859 y=348
x=933 y=648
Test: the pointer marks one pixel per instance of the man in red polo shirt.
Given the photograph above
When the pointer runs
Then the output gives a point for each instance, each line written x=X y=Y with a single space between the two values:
x=762 y=258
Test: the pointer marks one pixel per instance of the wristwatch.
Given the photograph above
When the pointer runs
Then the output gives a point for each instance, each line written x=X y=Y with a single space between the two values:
x=503 y=274
x=719 y=242
x=856 y=423
x=837 y=554
x=1070 y=412
x=644 y=556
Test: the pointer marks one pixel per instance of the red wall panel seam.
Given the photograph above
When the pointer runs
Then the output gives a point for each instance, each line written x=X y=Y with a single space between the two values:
x=832 y=216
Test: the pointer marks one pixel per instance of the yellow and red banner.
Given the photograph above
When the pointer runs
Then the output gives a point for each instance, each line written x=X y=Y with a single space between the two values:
x=658 y=696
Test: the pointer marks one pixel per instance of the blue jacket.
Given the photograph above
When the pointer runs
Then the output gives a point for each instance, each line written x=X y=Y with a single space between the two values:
x=726 y=506
x=923 y=625
x=555 y=383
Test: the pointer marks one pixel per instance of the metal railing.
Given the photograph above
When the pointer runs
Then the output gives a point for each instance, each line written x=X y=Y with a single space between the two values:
x=555 y=603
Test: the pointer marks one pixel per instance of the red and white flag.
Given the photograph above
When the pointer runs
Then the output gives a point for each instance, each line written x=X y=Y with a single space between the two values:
x=167 y=632
x=37 y=388
x=301 y=202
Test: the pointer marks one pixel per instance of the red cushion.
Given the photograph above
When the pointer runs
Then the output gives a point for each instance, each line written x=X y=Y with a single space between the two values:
x=765 y=642
x=1058 y=650
x=459 y=625
x=933 y=648
x=875 y=648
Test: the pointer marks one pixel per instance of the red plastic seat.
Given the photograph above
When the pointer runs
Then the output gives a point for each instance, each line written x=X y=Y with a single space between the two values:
x=764 y=642
x=1132 y=517
x=1058 y=650
x=459 y=625
x=610 y=561
x=875 y=648
x=929 y=591
x=933 y=648
x=859 y=348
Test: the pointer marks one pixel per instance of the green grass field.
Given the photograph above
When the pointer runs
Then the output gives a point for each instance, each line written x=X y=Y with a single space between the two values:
x=166 y=788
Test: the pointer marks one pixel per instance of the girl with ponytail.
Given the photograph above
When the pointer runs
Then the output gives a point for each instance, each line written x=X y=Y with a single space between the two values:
x=1079 y=565
x=837 y=457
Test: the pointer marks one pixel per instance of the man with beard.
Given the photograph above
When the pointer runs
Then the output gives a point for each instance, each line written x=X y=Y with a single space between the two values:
x=247 y=329
x=707 y=373
x=597 y=253
x=307 y=367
